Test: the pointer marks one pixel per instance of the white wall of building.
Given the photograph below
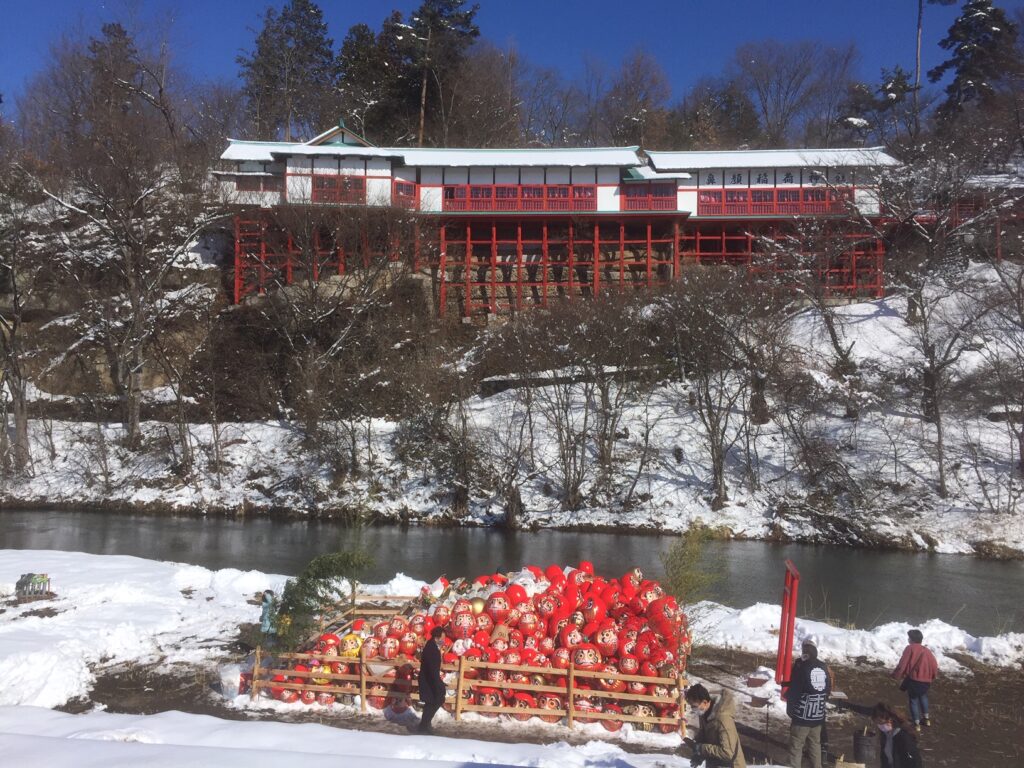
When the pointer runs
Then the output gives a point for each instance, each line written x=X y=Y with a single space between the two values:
x=378 y=191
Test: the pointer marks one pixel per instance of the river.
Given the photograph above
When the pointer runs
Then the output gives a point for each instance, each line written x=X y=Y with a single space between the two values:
x=857 y=587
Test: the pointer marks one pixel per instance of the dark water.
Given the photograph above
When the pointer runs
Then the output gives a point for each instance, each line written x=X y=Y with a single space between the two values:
x=859 y=587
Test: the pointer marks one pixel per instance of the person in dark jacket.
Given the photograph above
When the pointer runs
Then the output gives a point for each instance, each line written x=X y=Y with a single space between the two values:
x=897 y=743
x=809 y=688
x=717 y=742
x=432 y=690
x=916 y=671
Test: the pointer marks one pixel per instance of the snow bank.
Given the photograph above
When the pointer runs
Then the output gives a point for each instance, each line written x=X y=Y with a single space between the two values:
x=111 y=610
x=103 y=740
x=756 y=629
x=114 y=609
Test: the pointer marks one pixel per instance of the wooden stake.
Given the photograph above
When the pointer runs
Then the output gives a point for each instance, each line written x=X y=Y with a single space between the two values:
x=362 y=681
x=459 y=680
x=255 y=675
x=680 y=685
x=570 y=705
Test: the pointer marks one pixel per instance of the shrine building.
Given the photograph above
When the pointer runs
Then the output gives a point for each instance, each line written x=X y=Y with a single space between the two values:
x=504 y=229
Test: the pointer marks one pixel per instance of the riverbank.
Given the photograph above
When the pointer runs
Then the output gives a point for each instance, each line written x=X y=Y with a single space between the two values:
x=266 y=469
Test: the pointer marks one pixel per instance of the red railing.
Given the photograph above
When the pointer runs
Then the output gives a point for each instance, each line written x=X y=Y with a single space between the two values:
x=339 y=189
x=772 y=202
x=404 y=195
x=649 y=197
x=519 y=197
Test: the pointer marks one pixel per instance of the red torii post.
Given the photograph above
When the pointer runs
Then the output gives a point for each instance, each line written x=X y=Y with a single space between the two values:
x=784 y=659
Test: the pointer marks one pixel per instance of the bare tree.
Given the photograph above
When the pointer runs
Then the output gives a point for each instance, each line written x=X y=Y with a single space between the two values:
x=950 y=314
x=716 y=324
x=782 y=80
x=131 y=192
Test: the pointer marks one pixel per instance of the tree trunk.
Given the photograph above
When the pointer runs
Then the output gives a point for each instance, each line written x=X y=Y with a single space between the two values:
x=1020 y=450
x=718 y=478
x=917 y=67
x=19 y=406
x=759 y=411
x=940 y=449
x=133 y=403
x=423 y=90
x=929 y=395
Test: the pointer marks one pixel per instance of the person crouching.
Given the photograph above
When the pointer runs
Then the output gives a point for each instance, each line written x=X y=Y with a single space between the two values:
x=717 y=742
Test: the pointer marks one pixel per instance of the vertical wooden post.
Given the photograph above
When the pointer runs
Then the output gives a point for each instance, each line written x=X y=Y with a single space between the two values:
x=362 y=681
x=460 y=679
x=469 y=272
x=442 y=269
x=680 y=685
x=675 y=249
x=571 y=684
x=253 y=686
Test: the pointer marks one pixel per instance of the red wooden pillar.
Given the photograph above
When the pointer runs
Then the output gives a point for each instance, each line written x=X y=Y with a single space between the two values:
x=238 y=261
x=494 y=264
x=570 y=257
x=595 y=280
x=650 y=254
x=468 y=309
x=675 y=249
x=442 y=270
x=622 y=254
x=416 y=247
x=519 y=265
x=784 y=658
x=263 y=258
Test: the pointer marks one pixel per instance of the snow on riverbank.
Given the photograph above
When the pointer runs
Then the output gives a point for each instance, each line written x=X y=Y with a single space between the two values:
x=756 y=629
x=112 y=610
x=886 y=494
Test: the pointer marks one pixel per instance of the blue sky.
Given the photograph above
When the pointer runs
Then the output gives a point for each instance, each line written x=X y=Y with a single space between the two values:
x=690 y=38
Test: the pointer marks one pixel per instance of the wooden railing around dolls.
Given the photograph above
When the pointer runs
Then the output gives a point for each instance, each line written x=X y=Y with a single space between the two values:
x=469 y=674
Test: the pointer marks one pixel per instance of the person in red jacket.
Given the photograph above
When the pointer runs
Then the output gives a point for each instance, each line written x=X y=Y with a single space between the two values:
x=917 y=669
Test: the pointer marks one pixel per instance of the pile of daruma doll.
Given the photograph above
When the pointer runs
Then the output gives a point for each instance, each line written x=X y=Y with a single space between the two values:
x=543 y=620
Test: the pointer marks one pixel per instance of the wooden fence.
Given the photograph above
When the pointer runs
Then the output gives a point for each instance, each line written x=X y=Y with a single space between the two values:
x=469 y=675
x=369 y=673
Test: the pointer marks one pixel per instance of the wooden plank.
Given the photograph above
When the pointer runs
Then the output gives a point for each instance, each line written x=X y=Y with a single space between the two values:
x=509 y=710
x=477 y=683
x=669 y=681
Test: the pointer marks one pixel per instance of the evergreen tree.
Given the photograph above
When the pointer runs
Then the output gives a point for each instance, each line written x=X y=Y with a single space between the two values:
x=377 y=99
x=442 y=30
x=291 y=76
x=321 y=584
x=982 y=42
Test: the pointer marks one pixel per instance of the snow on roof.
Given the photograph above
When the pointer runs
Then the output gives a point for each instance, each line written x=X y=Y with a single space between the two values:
x=266 y=151
x=772 y=158
x=607 y=156
x=646 y=173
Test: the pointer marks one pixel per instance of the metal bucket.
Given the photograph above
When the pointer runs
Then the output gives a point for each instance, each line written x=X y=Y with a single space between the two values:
x=865 y=748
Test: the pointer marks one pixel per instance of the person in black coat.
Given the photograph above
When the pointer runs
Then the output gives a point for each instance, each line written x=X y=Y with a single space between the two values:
x=432 y=690
x=808 y=691
x=897 y=742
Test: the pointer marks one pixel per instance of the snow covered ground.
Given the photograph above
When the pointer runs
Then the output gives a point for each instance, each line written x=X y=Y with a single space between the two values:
x=112 y=610
x=174 y=739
